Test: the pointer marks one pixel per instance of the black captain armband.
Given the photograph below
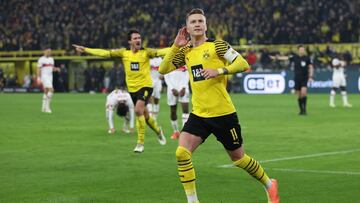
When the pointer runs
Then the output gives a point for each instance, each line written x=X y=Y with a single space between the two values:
x=223 y=71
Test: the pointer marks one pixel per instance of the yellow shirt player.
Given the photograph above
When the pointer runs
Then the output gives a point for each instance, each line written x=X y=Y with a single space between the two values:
x=213 y=111
x=136 y=61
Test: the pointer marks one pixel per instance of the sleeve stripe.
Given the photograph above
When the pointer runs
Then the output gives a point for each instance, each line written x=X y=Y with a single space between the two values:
x=221 y=47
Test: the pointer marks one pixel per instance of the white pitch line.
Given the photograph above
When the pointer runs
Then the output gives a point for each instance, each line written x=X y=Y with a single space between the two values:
x=314 y=171
x=300 y=157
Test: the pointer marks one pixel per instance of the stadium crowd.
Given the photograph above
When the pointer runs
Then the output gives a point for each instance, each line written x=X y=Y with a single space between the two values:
x=32 y=25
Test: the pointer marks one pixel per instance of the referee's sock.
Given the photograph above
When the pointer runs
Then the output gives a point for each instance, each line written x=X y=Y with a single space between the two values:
x=186 y=173
x=304 y=103
x=300 y=104
x=253 y=167
x=140 y=126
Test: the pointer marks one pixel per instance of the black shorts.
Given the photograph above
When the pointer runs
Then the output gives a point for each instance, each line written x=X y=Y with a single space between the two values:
x=226 y=129
x=299 y=83
x=143 y=94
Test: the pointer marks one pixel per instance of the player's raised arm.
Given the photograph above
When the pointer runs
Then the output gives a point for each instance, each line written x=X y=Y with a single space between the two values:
x=174 y=57
x=99 y=52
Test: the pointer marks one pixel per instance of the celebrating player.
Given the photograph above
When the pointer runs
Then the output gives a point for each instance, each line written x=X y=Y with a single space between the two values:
x=178 y=91
x=121 y=101
x=213 y=110
x=45 y=69
x=339 y=81
x=136 y=62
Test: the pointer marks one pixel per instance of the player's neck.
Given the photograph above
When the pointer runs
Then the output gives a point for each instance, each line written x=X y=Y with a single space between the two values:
x=198 y=40
x=134 y=49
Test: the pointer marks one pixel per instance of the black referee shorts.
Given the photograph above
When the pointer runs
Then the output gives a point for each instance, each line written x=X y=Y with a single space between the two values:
x=143 y=94
x=226 y=129
x=299 y=83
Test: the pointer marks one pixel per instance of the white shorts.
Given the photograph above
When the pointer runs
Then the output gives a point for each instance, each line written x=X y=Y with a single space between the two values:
x=172 y=100
x=47 y=82
x=157 y=89
x=339 y=81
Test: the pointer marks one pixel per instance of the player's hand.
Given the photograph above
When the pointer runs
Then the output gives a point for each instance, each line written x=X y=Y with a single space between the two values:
x=78 y=48
x=182 y=92
x=209 y=73
x=311 y=79
x=181 y=38
x=175 y=92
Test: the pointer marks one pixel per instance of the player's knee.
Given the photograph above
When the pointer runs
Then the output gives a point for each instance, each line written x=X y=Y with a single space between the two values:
x=182 y=153
x=342 y=88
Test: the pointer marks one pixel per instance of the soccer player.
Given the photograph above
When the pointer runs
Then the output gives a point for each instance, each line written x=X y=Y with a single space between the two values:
x=154 y=106
x=178 y=91
x=339 y=81
x=45 y=69
x=136 y=62
x=120 y=100
x=304 y=71
x=213 y=110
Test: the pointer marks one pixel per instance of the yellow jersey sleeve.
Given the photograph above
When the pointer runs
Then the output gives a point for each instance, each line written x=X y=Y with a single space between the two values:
x=174 y=58
x=98 y=52
x=117 y=52
x=152 y=53
x=236 y=62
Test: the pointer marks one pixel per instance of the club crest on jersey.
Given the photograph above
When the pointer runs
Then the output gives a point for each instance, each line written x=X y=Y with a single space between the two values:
x=206 y=54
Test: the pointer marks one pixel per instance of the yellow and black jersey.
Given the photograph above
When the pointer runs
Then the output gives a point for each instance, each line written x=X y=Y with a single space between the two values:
x=209 y=98
x=136 y=64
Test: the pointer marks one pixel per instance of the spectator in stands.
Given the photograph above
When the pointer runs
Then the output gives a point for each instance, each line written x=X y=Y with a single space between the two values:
x=29 y=25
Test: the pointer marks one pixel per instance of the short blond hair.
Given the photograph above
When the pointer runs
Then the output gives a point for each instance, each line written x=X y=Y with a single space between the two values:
x=195 y=11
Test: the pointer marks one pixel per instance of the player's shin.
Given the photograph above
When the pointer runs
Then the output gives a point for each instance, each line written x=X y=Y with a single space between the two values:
x=332 y=98
x=109 y=116
x=44 y=103
x=186 y=173
x=152 y=124
x=49 y=97
x=140 y=126
x=156 y=109
x=254 y=169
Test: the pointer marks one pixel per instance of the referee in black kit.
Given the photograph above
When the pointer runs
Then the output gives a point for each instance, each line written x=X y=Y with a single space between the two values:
x=304 y=71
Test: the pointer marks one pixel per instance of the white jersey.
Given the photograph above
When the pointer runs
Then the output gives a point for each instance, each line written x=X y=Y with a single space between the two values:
x=46 y=65
x=119 y=96
x=338 y=77
x=155 y=75
x=339 y=71
x=177 y=79
x=154 y=64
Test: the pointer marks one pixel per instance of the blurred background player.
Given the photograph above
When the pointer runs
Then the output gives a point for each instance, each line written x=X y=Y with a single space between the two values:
x=120 y=100
x=45 y=69
x=153 y=105
x=338 y=81
x=304 y=71
x=178 y=91
x=136 y=61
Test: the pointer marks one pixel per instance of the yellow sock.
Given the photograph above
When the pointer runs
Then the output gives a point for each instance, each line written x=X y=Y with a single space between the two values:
x=140 y=126
x=152 y=124
x=254 y=169
x=186 y=173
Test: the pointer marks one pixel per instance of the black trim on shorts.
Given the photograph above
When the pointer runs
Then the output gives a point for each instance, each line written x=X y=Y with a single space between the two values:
x=143 y=94
x=226 y=129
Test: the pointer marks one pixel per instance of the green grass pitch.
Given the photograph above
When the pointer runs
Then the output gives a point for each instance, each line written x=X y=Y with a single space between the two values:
x=68 y=157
